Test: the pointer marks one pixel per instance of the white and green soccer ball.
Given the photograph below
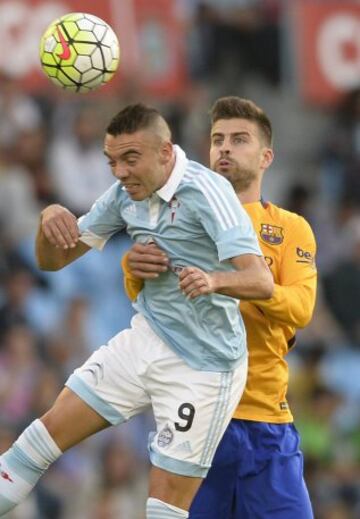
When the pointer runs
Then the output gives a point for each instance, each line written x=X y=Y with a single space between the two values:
x=79 y=52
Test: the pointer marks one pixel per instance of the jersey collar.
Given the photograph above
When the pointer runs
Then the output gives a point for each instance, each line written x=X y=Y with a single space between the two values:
x=167 y=191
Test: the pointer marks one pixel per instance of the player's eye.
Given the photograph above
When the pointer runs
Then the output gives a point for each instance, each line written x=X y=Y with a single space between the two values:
x=112 y=163
x=217 y=142
x=131 y=162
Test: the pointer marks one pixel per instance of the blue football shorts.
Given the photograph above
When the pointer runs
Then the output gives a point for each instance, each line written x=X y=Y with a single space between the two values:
x=257 y=473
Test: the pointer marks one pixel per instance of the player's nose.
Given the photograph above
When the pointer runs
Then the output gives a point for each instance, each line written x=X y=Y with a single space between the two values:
x=224 y=148
x=120 y=172
x=224 y=151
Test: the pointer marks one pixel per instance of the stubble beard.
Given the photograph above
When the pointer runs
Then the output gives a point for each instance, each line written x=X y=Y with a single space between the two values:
x=240 y=179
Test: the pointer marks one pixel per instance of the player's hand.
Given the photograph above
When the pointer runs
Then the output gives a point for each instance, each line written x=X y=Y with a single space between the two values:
x=147 y=261
x=60 y=226
x=194 y=282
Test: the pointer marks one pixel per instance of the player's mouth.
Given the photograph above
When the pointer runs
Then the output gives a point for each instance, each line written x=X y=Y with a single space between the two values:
x=223 y=164
x=132 y=189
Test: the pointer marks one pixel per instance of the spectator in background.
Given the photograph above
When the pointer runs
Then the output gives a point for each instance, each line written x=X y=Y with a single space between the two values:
x=69 y=344
x=235 y=37
x=79 y=171
x=18 y=111
x=16 y=190
x=30 y=152
x=20 y=367
x=17 y=283
x=118 y=489
x=342 y=285
x=298 y=200
x=25 y=301
x=341 y=157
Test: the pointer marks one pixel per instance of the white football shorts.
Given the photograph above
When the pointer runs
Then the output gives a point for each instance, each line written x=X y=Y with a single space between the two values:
x=192 y=408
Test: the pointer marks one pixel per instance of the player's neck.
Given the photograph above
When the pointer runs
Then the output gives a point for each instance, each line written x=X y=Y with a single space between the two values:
x=250 y=195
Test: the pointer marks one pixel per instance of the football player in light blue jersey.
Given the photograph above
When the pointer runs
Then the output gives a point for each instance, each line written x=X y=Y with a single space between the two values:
x=185 y=352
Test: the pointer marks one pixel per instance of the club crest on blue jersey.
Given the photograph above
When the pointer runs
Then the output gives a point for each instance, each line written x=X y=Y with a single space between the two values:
x=174 y=204
x=271 y=234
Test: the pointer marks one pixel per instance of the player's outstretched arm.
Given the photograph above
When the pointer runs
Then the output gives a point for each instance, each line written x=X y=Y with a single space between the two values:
x=252 y=276
x=57 y=240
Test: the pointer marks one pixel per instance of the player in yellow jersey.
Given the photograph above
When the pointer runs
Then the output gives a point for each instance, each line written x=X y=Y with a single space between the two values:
x=257 y=472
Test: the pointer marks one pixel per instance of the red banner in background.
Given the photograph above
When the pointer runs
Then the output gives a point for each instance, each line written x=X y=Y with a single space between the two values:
x=151 y=41
x=328 y=46
x=161 y=46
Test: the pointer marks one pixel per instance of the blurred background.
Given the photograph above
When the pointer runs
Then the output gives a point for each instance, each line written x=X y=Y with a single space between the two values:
x=300 y=61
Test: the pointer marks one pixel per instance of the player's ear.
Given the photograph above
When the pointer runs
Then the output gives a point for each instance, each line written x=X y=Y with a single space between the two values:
x=267 y=158
x=166 y=151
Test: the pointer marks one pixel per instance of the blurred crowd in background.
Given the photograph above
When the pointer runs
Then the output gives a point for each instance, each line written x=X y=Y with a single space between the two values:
x=51 y=151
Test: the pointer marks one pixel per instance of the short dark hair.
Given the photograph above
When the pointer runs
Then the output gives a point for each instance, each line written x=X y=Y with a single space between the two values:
x=133 y=118
x=233 y=107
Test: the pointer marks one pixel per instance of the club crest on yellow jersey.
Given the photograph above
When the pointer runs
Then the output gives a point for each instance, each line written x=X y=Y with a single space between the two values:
x=271 y=234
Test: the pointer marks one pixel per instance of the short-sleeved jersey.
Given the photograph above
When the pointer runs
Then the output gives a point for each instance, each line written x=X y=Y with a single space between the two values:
x=289 y=247
x=196 y=218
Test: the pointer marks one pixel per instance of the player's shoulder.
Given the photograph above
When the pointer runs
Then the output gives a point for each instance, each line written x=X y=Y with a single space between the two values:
x=196 y=170
x=114 y=197
x=114 y=192
x=198 y=177
x=286 y=218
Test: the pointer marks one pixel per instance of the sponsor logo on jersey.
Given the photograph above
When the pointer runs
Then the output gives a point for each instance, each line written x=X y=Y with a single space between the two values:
x=271 y=234
x=284 y=406
x=174 y=204
x=304 y=256
x=165 y=437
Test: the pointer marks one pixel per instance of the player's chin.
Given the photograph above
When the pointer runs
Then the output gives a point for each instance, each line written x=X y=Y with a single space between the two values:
x=137 y=193
x=224 y=170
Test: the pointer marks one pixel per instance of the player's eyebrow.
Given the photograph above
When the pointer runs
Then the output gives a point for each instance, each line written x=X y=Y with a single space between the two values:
x=125 y=154
x=243 y=133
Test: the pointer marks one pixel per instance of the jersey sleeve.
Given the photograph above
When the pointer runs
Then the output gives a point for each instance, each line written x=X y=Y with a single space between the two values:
x=225 y=220
x=103 y=220
x=132 y=284
x=294 y=296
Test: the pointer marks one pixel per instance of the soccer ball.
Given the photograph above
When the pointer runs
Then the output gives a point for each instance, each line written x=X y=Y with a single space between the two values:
x=79 y=52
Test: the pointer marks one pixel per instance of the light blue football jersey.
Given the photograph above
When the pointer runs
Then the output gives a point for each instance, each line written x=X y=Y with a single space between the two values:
x=197 y=219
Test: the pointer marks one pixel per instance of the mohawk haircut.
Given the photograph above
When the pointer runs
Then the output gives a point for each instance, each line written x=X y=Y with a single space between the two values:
x=233 y=107
x=133 y=118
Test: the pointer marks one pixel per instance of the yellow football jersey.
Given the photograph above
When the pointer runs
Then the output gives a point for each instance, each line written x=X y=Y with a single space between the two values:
x=289 y=247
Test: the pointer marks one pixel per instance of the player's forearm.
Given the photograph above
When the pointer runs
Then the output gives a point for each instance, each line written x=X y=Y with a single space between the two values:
x=251 y=283
x=53 y=258
x=292 y=305
x=48 y=256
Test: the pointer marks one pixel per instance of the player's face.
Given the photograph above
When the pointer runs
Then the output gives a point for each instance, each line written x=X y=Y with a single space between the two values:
x=139 y=160
x=237 y=151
